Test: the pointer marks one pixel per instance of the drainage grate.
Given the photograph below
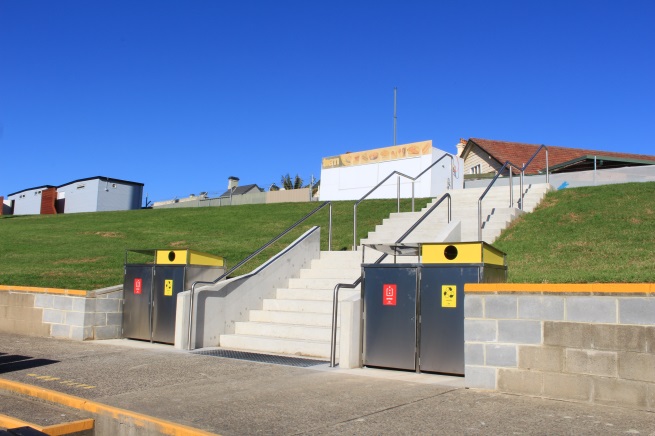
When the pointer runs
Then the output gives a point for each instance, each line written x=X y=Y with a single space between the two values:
x=262 y=358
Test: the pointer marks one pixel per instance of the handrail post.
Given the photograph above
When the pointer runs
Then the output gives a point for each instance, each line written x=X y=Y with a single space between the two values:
x=521 y=196
x=413 y=195
x=511 y=188
x=398 y=193
x=330 y=229
x=479 y=219
x=355 y=227
x=547 y=177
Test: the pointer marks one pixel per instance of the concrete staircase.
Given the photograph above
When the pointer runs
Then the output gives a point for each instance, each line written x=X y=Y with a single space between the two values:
x=298 y=321
x=496 y=215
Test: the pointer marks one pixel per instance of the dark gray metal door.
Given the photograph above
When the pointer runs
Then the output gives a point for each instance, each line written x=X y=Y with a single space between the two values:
x=390 y=316
x=168 y=282
x=137 y=296
x=441 y=343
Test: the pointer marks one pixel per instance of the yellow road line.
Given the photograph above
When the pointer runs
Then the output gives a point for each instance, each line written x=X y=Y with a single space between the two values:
x=137 y=419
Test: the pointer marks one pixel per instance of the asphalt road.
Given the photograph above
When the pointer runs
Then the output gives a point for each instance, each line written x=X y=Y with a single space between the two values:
x=235 y=397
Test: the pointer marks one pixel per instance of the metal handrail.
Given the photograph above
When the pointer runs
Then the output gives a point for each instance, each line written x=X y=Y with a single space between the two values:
x=250 y=257
x=511 y=189
x=511 y=192
x=413 y=179
x=335 y=295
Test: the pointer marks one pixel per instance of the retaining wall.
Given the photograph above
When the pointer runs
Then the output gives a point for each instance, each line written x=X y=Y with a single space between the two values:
x=62 y=313
x=591 y=343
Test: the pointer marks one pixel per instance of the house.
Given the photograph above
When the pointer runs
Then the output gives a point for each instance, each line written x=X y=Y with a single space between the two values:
x=93 y=194
x=483 y=156
x=234 y=190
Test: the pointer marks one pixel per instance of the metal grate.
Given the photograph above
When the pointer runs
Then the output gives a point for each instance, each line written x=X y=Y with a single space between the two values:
x=262 y=358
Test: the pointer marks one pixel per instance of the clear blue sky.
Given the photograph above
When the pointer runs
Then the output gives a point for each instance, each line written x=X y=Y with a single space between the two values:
x=179 y=95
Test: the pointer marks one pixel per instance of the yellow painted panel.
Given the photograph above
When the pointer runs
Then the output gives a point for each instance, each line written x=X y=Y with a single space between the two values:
x=171 y=257
x=198 y=258
x=187 y=257
x=461 y=252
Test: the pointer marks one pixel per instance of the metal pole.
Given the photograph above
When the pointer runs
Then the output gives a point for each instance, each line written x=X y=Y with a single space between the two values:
x=412 y=195
x=479 y=220
x=521 y=196
x=395 y=117
x=398 y=194
x=330 y=230
x=511 y=188
x=355 y=228
x=547 y=176
x=594 y=170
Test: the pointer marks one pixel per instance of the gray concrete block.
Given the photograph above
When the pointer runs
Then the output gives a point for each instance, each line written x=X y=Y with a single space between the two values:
x=592 y=309
x=634 y=310
x=650 y=397
x=114 y=319
x=81 y=304
x=99 y=318
x=480 y=377
x=519 y=331
x=616 y=337
x=108 y=305
x=473 y=306
x=44 y=300
x=79 y=319
x=545 y=307
x=501 y=355
x=107 y=332
x=480 y=330
x=568 y=386
x=474 y=354
x=81 y=333
x=650 y=339
x=541 y=358
x=637 y=366
x=568 y=334
x=592 y=362
x=620 y=393
x=500 y=307
x=60 y=331
x=518 y=381
x=62 y=302
x=54 y=316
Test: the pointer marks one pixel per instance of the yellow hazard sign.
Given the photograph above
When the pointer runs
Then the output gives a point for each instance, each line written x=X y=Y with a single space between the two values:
x=168 y=288
x=448 y=296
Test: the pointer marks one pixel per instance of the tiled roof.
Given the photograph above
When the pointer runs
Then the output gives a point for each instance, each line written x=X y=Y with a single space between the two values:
x=519 y=153
x=240 y=190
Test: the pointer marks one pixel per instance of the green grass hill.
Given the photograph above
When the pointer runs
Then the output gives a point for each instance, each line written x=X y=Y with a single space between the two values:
x=582 y=235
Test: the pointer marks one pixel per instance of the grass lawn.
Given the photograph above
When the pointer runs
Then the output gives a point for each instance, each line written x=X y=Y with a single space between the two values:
x=87 y=250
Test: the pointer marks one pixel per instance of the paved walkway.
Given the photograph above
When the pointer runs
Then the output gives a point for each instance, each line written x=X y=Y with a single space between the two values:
x=234 y=397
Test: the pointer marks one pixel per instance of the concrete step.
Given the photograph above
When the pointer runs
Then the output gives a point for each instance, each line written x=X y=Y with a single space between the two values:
x=306 y=306
x=283 y=331
x=300 y=318
x=328 y=283
x=317 y=349
x=342 y=273
x=314 y=294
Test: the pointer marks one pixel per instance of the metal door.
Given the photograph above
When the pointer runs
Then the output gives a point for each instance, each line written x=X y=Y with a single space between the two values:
x=137 y=302
x=390 y=316
x=441 y=331
x=168 y=282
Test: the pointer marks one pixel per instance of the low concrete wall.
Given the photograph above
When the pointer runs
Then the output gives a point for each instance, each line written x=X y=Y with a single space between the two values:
x=218 y=307
x=61 y=313
x=591 y=343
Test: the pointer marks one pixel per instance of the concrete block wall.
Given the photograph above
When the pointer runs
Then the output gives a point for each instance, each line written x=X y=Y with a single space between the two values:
x=58 y=313
x=597 y=348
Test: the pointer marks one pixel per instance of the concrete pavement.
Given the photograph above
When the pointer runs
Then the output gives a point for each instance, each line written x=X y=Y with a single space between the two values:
x=235 y=397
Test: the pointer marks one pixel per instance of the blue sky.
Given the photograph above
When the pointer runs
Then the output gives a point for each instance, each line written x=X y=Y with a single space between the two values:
x=179 y=95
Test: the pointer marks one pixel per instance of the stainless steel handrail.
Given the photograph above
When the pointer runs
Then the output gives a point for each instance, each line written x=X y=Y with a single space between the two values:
x=335 y=295
x=413 y=179
x=511 y=189
x=250 y=257
x=511 y=192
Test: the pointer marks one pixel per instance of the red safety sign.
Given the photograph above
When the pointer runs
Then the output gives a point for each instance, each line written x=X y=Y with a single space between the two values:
x=389 y=293
x=138 y=286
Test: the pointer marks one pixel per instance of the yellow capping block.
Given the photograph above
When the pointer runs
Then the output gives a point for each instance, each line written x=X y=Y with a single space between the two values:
x=564 y=288
x=462 y=252
x=52 y=430
x=75 y=292
x=137 y=419
x=187 y=257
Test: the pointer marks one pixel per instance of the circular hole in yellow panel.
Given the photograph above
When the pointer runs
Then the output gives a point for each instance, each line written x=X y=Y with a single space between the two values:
x=171 y=256
x=450 y=252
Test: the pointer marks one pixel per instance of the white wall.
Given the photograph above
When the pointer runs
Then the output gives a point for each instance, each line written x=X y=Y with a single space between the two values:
x=353 y=182
x=100 y=195
x=27 y=202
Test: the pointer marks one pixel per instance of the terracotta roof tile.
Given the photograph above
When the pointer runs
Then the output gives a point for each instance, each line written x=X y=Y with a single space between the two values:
x=519 y=153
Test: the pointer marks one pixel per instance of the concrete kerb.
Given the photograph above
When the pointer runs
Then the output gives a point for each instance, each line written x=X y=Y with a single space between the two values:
x=108 y=419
